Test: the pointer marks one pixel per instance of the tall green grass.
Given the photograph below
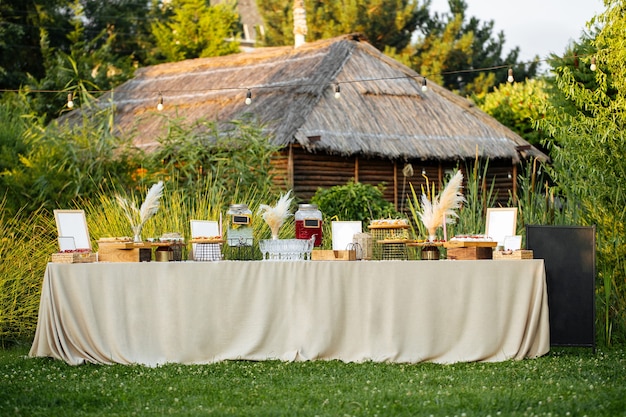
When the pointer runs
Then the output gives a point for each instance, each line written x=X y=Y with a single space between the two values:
x=26 y=244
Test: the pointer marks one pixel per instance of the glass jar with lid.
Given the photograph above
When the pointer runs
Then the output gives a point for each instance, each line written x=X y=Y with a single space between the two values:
x=239 y=232
x=309 y=222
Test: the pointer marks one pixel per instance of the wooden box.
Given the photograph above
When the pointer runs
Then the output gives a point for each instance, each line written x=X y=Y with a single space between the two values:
x=74 y=257
x=470 y=253
x=111 y=251
x=516 y=254
x=333 y=255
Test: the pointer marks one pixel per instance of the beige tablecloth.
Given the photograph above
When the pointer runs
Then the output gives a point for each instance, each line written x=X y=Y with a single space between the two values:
x=203 y=312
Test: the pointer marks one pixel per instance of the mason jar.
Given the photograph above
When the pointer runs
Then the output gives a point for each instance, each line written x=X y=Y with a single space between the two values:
x=308 y=223
x=239 y=231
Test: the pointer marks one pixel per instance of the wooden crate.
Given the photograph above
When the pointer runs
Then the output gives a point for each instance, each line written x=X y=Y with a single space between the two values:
x=74 y=257
x=516 y=254
x=470 y=253
x=109 y=251
x=333 y=255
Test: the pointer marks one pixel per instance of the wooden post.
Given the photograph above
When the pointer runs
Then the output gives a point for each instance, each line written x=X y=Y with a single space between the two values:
x=395 y=184
x=290 y=168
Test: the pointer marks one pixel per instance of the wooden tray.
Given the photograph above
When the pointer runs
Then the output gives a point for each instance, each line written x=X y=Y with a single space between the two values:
x=516 y=254
x=425 y=244
x=333 y=255
x=210 y=241
x=390 y=226
x=469 y=244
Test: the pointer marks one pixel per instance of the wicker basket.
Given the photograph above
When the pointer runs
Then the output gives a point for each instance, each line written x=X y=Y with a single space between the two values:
x=74 y=257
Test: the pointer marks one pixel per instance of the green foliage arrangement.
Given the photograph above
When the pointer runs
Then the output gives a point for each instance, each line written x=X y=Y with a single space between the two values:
x=354 y=202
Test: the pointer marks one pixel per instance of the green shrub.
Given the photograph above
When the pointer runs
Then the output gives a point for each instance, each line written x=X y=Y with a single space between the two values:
x=354 y=201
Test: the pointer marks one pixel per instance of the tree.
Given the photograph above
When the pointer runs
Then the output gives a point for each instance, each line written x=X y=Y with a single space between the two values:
x=196 y=29
x=90 y=65
x=124 y=25
x=588 y=144
x=452 y=46
x=518 y=106
x=20 y=24
x=386 y=24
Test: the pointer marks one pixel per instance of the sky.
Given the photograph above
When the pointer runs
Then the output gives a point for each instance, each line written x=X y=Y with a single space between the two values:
x=538 y=27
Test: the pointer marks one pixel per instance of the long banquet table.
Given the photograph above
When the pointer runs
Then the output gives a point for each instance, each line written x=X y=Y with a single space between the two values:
x=203 y=312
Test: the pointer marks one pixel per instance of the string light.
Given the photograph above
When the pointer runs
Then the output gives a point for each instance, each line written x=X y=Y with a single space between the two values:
x=510 y=77
x=337 y=91
x=160 y=103
x=70 y=101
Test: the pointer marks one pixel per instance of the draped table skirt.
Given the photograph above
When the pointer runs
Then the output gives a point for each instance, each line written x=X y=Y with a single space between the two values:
x=203 y=312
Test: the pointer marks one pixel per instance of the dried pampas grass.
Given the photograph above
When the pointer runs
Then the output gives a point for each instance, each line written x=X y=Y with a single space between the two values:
x=276 y=216
x=442 y=206
x=138 y=216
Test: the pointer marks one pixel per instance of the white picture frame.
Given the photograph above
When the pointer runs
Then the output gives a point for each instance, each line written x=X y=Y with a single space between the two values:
x=72 y=224
x=343 y=233
x=501 y=222
x=204 y=228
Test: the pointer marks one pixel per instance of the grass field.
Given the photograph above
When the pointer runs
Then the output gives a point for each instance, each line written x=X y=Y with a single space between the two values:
x=566 y=382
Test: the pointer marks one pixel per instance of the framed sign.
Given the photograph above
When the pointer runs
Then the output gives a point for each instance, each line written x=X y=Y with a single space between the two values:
x=204 y=228
x=501 y=222
x=72 y=224
x=343 y=233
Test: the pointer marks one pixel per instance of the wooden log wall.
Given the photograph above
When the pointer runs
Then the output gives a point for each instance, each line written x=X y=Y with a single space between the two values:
x=306 y=172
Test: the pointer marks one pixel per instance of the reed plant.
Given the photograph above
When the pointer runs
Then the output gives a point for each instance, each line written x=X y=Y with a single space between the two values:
x=26 y=244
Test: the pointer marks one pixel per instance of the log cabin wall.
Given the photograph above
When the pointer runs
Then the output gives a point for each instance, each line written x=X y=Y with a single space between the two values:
x=305 y=172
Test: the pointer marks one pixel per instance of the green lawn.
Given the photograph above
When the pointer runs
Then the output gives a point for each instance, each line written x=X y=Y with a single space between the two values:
x=566 y=382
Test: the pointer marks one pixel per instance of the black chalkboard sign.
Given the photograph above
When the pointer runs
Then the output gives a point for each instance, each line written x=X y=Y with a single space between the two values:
x=241 y=219
x=312 y=223
x=569 y=253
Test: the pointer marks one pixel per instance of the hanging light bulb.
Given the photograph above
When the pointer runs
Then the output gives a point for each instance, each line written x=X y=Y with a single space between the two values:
x=337 y=91
x=70 y=101
x=593 y=66
x=160 y=102
x=509 y=176
x=510 y=77
x=424 y=86
x=249 y=97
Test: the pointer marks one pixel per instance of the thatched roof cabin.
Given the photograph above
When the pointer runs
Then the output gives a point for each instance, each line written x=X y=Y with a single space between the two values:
x=382 y=120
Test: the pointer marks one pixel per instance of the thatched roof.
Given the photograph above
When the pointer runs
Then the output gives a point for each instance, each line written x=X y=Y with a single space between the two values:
x=382 y=111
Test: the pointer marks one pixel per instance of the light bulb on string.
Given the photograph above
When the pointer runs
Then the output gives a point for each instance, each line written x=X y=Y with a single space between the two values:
x=70 y=101
x=249 y=97
x=510 y=77
x=160 y=102
x=593 y=66
x=424 y=86
x=337 y=91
